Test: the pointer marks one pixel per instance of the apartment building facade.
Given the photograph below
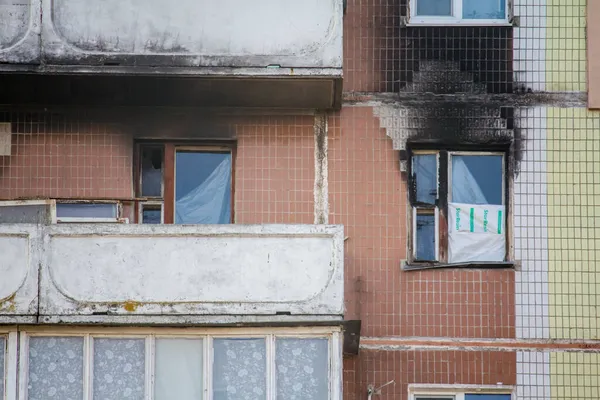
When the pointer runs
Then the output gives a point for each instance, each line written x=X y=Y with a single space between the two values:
x=323 y=199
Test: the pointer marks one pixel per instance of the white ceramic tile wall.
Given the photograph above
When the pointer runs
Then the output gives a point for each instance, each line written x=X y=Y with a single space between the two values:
x=529 y=45
x=533 y=375
x=531 y=227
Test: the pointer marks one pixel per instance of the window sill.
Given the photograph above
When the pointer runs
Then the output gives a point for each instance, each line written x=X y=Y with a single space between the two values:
x=457 y=23
x=474 y=264
x=424 y=22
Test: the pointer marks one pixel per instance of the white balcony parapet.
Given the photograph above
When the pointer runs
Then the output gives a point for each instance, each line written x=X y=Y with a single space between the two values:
x=170 y=273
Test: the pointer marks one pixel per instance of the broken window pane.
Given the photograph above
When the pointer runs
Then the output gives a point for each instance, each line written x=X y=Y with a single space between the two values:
x=484 y=9
x=302 y=370
x=425 y=177
x=55 y=368
x=152 y=165
x=240 y=369
x=425 y=246
x=202 y=188
x=2 y=355
x=86 y=210
x=151 y=215
x=477 y=179
x=119 y=369
x=434 y=8
x=178 y=372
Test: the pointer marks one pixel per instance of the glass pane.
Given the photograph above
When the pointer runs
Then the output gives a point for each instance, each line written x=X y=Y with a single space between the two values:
x=2 y=352
x=425 y=177
x=477 y=179
x=55 y=368
x=302 y=369
x=152 y=165
x=151 y=216
x=178 y=369
x=83 y=210
x=484 y=9
x=434 y=8
x=487 y=396
x=240 y=369
x=202 y=188
x=425 y=237
x=119 y=369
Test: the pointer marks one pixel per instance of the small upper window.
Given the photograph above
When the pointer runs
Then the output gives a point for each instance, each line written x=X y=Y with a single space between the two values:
x=464 y=12
x=458 y=207
x=87 y=212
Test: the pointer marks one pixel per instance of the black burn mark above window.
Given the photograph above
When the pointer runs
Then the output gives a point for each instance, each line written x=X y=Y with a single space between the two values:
x=448 y=60
x=466 y=126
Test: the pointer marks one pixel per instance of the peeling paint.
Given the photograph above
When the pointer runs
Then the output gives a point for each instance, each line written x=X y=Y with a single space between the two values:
x=8 y=304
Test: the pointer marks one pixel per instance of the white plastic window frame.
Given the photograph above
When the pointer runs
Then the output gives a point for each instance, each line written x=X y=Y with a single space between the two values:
x=333 y=335
x=10 y=363
x=456 y=17
x=88 y=220
x=456 y=392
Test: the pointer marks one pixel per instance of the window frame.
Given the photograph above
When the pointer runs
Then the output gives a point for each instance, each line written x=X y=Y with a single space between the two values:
x=270 y=335
x=87 y=220
x=168 y=179
x=10 y=377
x=444 y=196
x=453 y=20
x=457 y=392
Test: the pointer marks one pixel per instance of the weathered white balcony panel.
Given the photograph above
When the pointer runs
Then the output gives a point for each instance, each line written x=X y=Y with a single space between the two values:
x=19 y=261
x=135 y=270
x=205 y=33
x=20 y=31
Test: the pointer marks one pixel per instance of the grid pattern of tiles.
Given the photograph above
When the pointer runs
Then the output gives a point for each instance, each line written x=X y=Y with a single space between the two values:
x=425 y=367
x=275 y=170
x=573 y=205
x=531 y=227
x=575 y=375
x=533 y=375
x=380 y=55
x=368 y=196
x=74 y=155
x=565 y=45
x=56 y=156
x=529 y=45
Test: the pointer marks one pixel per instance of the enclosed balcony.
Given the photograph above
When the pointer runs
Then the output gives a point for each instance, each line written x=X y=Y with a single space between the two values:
x=170 y=274
x=230 y=53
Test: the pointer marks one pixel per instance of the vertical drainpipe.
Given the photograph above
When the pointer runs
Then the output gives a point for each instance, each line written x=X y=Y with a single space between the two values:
x=321 y=190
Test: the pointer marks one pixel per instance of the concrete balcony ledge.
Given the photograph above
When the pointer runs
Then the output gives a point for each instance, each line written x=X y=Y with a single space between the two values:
x=171 y=274
x=225 y=49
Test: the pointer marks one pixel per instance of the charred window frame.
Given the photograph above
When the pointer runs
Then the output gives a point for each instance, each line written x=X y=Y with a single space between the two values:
x=460 y=12
x=430 y=198
x=157 y=179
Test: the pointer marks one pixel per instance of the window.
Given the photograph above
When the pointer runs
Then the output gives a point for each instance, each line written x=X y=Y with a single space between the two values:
x=458 y=207
x=87 y=212
x=463 y=396
x=186 y=366
x=2 y=363
x=465 y=12
x=184 y=184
